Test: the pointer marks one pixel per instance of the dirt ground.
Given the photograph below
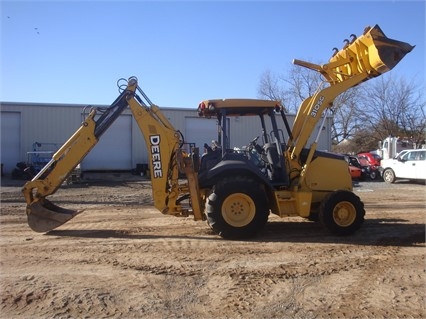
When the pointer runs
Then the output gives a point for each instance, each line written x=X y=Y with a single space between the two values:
x=123 y=259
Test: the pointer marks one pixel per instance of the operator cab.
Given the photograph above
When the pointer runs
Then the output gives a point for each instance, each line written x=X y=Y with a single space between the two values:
x=268 y=158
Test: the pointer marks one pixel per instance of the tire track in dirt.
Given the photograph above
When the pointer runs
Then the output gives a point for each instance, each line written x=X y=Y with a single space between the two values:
x=128 y=261
x=57 y=294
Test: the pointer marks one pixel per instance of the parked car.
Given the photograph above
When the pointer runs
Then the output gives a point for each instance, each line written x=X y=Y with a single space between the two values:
x=409 y=164
x=355 y=172
x=363 y=165
x=401 y=153
x=371 y=163
x=354 y=167
x=372 y=158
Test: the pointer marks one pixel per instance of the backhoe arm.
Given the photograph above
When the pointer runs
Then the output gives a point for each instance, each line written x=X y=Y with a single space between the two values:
x=167 y=159
x=42 y=214
x=161 y=138
x=361 y=59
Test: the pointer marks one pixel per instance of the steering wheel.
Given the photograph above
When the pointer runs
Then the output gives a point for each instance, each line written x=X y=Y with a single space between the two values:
x=254 y=141
x=256 y=146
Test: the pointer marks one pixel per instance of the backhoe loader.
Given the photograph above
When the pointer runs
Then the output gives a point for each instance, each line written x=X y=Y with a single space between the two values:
x=236 y=189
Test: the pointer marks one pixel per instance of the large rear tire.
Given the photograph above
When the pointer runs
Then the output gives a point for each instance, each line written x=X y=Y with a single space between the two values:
x=342 y=212
x=237 y=208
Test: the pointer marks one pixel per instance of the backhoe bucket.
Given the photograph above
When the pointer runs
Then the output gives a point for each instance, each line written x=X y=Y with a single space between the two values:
x=44 y=216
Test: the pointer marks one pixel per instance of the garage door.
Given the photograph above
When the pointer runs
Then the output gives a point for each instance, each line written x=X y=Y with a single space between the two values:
x=10 y=140
x=200 y=131
x=114 y=149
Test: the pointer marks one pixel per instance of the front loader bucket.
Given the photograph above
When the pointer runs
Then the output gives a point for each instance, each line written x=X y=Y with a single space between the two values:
x=370 y=54
x=44 y=216
x=385 y=53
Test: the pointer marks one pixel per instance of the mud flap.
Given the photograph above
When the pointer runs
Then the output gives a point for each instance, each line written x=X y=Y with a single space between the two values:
x=44 y=216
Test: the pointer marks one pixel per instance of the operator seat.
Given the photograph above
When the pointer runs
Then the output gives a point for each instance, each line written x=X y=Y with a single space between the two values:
x=278 y=172
x=210 y=158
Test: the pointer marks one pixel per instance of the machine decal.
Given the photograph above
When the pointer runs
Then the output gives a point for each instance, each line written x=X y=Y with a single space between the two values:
x=317 y=106
x=155 y=156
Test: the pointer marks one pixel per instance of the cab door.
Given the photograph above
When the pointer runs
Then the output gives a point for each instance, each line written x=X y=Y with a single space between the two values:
x=421 y=165
x=409 y=165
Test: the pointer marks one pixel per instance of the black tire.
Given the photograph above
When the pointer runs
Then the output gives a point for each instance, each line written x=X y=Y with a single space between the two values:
x=373 y=175
x=389 y=176
x=342 y=212
x=313 y=217
x=237 y=208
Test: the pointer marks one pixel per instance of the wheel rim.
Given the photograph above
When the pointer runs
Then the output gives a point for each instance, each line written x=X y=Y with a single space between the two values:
x=238 y=209
x=344 y=214
x=388 y=176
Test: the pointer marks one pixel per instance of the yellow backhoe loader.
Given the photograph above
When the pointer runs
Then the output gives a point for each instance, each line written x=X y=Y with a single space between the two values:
x=235 y=190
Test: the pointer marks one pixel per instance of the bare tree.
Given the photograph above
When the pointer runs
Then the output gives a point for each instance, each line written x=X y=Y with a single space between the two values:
x=290 y=90
x=345 y=120
x=393 y=106
x=362 y=115
x=299 y=84
x=272 y=87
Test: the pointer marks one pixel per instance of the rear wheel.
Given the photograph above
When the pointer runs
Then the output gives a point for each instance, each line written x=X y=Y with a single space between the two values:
x=389 y=176
x=237 y=208
x=342 y=212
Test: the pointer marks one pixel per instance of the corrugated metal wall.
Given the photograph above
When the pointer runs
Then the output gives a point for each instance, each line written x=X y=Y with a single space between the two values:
x=44 y=123
x=55 y=123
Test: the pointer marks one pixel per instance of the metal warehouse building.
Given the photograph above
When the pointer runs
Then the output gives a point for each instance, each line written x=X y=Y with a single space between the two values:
x=122 y=147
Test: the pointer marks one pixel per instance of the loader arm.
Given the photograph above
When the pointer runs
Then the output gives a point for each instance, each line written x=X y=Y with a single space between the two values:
x=361 y=59
x=163 y=143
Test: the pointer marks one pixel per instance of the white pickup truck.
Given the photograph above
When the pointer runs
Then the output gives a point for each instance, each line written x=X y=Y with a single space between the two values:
x=408 y=164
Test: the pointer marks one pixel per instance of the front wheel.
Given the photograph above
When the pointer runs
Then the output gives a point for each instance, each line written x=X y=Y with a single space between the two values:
x=342 y=212
x=237 y=208
x=389 y=176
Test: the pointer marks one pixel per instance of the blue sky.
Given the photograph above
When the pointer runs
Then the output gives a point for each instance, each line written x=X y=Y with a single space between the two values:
x=182 y=51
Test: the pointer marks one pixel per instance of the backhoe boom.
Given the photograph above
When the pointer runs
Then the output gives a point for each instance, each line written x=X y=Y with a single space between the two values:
x=164 y=145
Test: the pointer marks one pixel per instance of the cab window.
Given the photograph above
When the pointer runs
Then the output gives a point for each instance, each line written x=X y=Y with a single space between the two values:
x=404 y=157
x=412 y=156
